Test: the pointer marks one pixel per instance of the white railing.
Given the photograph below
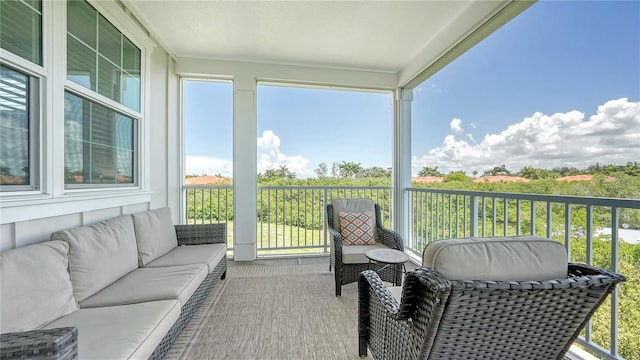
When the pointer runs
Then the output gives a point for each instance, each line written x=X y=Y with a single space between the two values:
x=290 y=219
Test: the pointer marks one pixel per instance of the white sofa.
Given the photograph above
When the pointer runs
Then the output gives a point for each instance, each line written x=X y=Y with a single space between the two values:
x=123 y=288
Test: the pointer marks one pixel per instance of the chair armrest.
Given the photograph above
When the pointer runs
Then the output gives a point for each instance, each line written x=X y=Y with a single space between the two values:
x=390 y=238
x=60 y=343
x=370 y=280
x=201 y=234
x=336 y=238
x=576 y=270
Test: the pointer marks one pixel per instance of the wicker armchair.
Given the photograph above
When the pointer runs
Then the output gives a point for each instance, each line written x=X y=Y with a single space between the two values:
x=346 y=273
x=438 y=318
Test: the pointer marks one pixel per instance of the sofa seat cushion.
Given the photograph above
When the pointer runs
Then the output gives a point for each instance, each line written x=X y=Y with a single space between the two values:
x=121 y=332
x=209 y=254
x=155 y=234
x=354 y=254
x=99 y=254
x=511 y=258
x=149 y=284
x=35 y=286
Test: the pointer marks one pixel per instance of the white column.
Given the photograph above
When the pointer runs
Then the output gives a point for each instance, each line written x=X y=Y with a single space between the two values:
x=402 y=161
x=244 y=169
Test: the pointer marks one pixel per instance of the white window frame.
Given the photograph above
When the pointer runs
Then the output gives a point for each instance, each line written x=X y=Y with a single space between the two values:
x=96 y=98
x=37 y=78
x=51 y=198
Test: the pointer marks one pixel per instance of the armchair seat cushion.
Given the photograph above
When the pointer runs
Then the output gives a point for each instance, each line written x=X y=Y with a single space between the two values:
x=148 y=284
x=121 y=332
x=355 y=254
x=209 y=254
x=511 y=258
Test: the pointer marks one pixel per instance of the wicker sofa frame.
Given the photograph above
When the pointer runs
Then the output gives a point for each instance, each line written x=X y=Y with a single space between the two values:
x=442 y=319
x=62 y=343
x=348 y=273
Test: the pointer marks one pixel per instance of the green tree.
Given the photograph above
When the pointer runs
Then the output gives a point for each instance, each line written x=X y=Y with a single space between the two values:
x=322 y=170
x=534 y=173
x=374 y=172
x=456 y=176
x=335 y=170
x=283 y=172
x=350 y=169
x=430 y=171
x=498 y=170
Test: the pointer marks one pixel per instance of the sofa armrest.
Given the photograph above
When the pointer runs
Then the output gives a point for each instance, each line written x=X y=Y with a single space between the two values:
x=59 y=343
x=201 y=234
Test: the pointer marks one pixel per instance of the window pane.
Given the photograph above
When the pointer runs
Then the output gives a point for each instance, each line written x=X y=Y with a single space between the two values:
x=102 y=126
x=130 y=57
x=81 y=22
x=99 y=144
x=14 y=127
x=20 y=30
x=101 y=58
x=108 y=80
x=81 y=63
x=102 y=164
x=130 y=75
x=131 y=91
x=109 y=43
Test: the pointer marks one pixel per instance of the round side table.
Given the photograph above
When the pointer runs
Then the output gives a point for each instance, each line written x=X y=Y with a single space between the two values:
x=388 y=257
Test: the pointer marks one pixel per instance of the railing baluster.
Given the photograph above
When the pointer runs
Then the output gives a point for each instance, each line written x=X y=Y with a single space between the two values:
x=615 y=221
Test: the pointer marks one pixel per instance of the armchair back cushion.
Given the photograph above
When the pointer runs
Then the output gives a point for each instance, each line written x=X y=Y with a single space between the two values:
x=513 y=258
x=30 y=299
x=99 y=254
x=155 y=234
x=353 y=205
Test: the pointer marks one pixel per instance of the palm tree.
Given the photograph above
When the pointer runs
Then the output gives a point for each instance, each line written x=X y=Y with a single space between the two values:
x=429 y=171
x=350 y=169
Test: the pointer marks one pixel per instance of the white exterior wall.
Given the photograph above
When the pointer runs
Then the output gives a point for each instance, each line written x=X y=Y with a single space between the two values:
x=31 y=219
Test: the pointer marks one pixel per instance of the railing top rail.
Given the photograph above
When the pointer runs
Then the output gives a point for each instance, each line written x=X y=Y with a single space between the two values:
x=564 y=199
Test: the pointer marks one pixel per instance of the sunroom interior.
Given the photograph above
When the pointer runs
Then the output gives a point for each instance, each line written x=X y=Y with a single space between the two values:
x=378 y=46
x=52 y=57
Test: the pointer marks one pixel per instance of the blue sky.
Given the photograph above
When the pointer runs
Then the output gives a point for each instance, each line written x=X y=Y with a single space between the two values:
x=547 y=89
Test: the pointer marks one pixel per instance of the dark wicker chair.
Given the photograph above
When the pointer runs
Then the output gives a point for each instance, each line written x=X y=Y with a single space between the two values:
x=348 y=273
x=439 y=318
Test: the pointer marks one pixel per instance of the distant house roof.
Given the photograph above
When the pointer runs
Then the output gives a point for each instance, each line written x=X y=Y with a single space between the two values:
x=427 y=179
x=500 y=178
x=208 y=180
x=584 y=177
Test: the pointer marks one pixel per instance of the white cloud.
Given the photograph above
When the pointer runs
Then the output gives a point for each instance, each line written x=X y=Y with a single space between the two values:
x=611 y=135
x=269 y=157
x=455 y=125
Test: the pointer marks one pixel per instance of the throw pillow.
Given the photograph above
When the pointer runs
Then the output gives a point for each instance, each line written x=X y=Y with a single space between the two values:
x=357 y=228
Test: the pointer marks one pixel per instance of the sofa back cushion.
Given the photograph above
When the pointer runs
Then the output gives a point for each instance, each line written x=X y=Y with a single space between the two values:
x=155 y=234
x=35 y=286
x=99 y=254
x=512 y=258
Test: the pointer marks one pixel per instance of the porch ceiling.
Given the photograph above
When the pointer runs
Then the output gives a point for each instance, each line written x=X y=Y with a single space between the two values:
x=386 y=36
